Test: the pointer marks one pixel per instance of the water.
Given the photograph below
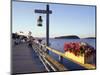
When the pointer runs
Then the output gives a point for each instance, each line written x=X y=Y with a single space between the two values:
x=58 y=44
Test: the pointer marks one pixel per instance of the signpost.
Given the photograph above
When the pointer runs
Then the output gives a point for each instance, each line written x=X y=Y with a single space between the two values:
x=47 y=12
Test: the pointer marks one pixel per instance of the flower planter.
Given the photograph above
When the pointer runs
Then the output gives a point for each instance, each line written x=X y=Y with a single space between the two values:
x=80 y=52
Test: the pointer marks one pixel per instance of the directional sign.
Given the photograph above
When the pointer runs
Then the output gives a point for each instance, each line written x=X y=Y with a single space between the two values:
x=43 y=11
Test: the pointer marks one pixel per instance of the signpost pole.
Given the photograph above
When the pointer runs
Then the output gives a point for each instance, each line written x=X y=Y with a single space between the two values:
x=47 y=26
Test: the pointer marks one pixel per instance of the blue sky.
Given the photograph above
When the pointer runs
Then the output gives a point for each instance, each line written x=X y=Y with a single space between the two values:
x=65 y=19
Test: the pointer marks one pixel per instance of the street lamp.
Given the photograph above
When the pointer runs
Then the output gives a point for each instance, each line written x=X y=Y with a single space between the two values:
x=39 y=21
x=47 y=12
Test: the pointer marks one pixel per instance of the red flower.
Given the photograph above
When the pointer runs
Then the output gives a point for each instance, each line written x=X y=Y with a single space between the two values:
x=65 y=46
x=78 y=48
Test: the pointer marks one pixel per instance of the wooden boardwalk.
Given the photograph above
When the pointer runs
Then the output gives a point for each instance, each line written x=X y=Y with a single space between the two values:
x=25 y=60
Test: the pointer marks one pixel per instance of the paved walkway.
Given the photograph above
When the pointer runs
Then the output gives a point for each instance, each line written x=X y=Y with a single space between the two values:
x=25 y=60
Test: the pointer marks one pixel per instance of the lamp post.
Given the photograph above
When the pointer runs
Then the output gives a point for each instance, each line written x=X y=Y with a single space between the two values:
x=47 y=12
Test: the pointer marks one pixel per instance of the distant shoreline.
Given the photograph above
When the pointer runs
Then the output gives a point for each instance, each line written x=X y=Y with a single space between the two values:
x=73 y=37
x=68 y=37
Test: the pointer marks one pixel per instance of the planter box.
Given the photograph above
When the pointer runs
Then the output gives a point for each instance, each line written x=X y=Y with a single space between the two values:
x=79 y=59
x=82 y=59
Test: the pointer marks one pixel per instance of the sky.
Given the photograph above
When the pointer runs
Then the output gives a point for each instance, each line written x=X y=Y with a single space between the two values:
x=65 y=19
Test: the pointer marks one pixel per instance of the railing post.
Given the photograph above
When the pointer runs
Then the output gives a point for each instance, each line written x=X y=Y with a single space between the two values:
x=61 y=59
